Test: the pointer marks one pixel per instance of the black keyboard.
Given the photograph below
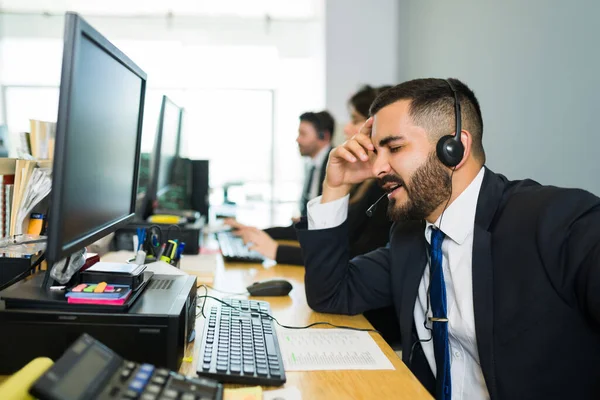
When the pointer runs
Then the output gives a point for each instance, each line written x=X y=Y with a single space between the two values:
x=241 y=346
x=234 y=249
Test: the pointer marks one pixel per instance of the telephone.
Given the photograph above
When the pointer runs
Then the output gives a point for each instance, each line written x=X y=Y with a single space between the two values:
x=90 y=370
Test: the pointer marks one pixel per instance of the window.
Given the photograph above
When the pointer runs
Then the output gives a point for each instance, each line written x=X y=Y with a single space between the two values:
x=234 y=130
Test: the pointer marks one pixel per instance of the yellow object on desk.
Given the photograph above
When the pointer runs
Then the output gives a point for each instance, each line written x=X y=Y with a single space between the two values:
x=164 y=219
x=17 y=386
x=247 y=393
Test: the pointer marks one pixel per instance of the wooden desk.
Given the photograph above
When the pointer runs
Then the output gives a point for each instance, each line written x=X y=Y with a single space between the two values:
x=293 y=310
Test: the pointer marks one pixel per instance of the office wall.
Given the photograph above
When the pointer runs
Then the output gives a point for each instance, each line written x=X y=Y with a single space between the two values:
x=361 y=47
x=534 y=66
x=1 y=96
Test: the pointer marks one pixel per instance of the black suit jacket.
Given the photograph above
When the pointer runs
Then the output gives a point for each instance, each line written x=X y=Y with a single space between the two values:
x=288 y=232
x=536 y=287
x=364 y=233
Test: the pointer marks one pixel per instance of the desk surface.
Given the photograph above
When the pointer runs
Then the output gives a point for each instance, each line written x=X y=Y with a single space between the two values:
x=293 y=310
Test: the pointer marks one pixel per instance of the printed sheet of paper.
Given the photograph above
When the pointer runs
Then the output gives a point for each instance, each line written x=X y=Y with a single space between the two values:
x=330 y=349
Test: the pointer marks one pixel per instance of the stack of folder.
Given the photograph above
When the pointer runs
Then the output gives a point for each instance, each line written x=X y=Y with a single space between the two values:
x=25 y=184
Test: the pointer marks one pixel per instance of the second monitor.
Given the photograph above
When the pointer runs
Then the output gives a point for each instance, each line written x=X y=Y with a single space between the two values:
x=162 y=159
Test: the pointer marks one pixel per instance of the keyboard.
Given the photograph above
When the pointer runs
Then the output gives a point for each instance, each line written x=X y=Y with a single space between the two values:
x=234 y=249
x=241 y=346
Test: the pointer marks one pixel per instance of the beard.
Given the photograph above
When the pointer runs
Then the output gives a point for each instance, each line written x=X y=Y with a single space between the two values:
x=430 y=185
x=307 y=151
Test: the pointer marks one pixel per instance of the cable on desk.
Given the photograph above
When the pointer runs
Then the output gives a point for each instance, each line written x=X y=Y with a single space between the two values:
x=224 y=292
x=272 y=318
x=23 y=274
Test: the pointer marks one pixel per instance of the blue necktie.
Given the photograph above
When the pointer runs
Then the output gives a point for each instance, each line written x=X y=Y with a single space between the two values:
x=439 y=309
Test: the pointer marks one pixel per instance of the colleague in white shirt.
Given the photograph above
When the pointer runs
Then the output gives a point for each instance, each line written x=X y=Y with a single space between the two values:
x=518 y=262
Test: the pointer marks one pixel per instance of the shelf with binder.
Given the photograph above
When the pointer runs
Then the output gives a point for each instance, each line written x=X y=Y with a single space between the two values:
x=24 y=186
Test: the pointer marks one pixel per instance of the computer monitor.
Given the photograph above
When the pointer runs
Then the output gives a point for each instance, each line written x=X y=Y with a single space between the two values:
x=166 y=149
x=166 y=145
x=181 y=129
x=98 y=139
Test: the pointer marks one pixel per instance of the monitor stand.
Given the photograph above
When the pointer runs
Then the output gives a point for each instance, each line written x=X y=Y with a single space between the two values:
x=48 y=281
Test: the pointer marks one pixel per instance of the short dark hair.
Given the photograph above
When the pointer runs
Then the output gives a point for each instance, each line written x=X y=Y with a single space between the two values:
x=432 y=107
x=322 y=121
x=362 y=100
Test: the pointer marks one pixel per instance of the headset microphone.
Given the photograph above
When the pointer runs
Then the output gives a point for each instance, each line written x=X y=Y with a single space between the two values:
x=373 y=207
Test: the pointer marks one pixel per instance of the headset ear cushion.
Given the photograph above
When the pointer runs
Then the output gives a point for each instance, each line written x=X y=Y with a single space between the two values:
x=450 y=151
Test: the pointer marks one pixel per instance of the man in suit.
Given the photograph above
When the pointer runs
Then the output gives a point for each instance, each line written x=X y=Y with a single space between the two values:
x=314 y=141
x=315 y=134
x=496 y=283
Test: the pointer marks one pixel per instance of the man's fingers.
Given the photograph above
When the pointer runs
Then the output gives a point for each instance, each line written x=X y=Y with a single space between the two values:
x=252 y=235
x=231 y=222
x=364 y=141
x=365 y=130
x=245 y=235
x=357 y=149
x=342 y=152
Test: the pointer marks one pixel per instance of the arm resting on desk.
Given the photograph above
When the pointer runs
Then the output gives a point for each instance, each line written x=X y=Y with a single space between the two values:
x=291 y=255
x=333 y=283
x=282 y=233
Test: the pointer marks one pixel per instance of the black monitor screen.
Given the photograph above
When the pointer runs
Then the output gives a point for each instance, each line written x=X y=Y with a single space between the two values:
x=98 y=139
x=169 y=142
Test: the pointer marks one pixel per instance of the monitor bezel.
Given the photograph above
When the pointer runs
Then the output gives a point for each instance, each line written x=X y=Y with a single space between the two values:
x=157 y=150
x=75 y=29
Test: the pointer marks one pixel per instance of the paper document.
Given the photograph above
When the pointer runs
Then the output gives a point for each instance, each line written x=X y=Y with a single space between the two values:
x=203 y=266
x=330 y=349
x=33 y=191
x=112 y=267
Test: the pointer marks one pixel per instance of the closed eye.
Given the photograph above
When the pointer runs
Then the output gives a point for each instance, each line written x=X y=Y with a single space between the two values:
x=395 y=149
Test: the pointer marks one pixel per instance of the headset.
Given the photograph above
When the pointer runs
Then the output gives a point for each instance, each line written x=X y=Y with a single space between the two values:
x=450 y=149
x=316 y=121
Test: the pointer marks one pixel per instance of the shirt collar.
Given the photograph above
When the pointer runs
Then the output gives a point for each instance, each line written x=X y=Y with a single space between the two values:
x=317 y=161
x=459 y=218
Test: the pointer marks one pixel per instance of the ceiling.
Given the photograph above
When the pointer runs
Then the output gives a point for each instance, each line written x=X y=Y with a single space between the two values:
x=294 y=9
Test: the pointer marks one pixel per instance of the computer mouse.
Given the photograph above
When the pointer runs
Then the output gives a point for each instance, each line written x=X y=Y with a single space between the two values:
x=273 y=287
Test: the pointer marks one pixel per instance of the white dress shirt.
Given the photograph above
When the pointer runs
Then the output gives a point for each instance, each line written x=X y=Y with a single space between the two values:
x=457 y=223
x=317 y=161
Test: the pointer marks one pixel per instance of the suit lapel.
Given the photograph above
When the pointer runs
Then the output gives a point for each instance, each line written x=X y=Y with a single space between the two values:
x=415 y=262
x=490 y=196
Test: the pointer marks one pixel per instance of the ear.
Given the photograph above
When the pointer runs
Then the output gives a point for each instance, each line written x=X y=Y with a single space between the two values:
x=467 y=141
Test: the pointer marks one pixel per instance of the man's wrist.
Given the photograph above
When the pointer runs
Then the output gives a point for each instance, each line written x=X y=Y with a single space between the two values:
x=334 y=193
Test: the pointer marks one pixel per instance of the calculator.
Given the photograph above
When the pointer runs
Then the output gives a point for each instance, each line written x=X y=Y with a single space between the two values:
x=90 y=370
